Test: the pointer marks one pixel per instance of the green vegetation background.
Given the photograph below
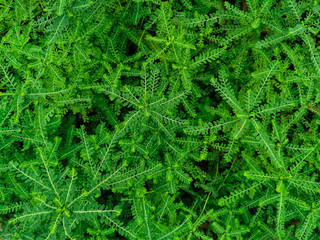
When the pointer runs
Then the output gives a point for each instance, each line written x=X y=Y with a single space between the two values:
x=150 y=119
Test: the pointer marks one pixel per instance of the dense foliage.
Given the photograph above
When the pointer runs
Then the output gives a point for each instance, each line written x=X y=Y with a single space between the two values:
x=150 y=119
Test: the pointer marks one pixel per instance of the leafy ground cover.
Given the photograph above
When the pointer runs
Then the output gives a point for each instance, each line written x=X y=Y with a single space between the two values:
x=150 y=119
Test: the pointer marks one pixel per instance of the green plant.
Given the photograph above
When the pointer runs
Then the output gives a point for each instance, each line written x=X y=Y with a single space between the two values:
x=150 y=119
